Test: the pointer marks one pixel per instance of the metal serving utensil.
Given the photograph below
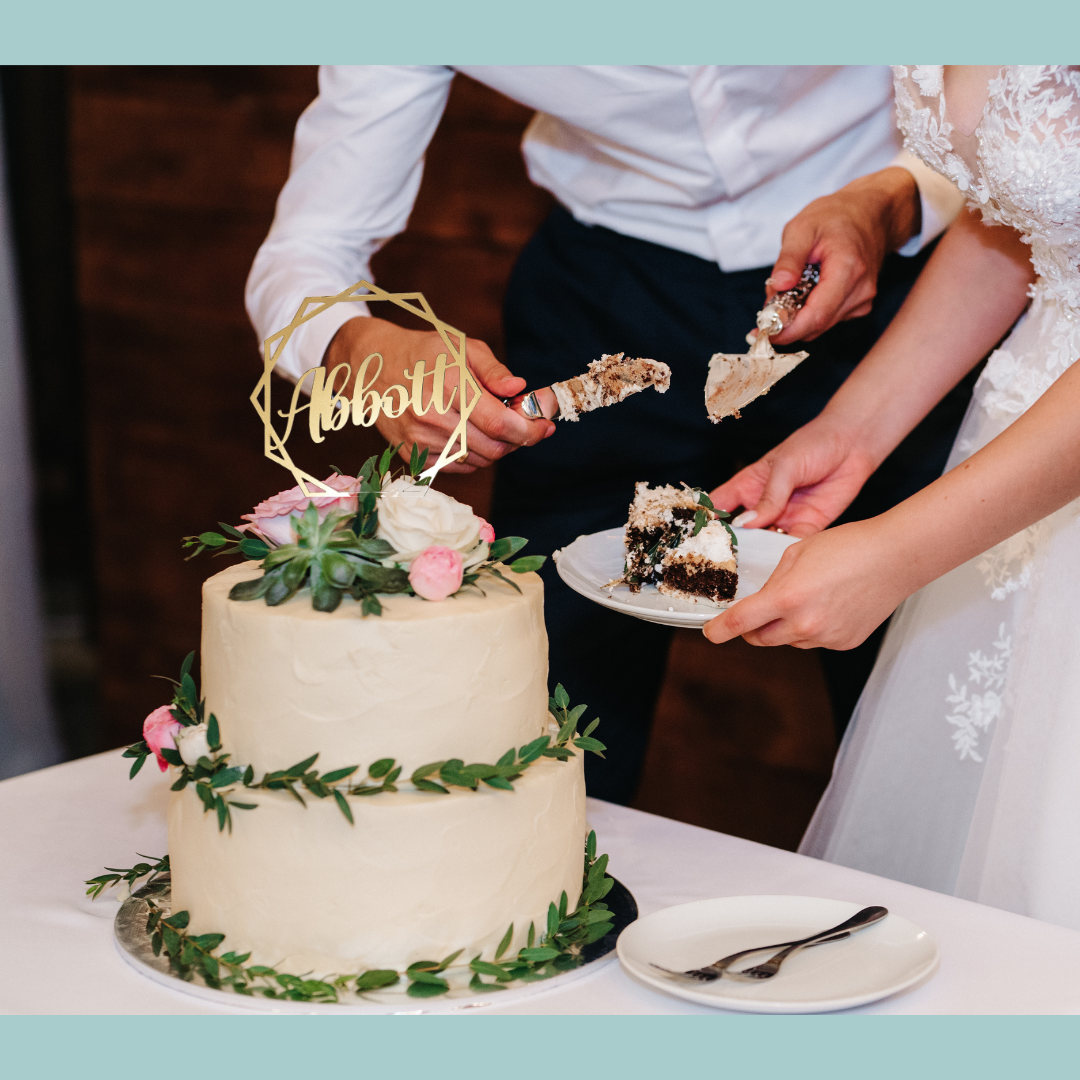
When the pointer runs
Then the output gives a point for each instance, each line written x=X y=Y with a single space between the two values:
x=711 y=972
x=736 y=379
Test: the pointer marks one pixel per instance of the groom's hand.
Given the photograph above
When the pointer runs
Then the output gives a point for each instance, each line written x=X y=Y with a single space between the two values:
x=493 y=429
x=849 y=233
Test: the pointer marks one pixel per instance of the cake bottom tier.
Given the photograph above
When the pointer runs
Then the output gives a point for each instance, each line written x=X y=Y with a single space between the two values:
x=417 y=877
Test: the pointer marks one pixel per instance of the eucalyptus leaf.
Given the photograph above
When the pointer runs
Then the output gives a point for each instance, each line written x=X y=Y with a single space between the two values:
x=338 y=774
x=302 y=767
x=505 y=546
x=544 y=952
x=376 y=979
x=343 y=806
x=430 y=785
x=251 y=547
x=505 y=943
x=226 y=777
x=527 y=564
x=428 y=978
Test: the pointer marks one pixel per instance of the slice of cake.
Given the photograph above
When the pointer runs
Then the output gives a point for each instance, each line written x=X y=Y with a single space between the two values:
x=678 y=541
x=609 y=380
x=703 y=564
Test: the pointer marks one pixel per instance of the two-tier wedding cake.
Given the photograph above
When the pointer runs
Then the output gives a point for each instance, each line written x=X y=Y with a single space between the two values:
x=373 y=786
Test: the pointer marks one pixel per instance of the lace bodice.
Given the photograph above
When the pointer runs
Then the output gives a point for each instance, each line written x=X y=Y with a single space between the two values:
x=1020 y=166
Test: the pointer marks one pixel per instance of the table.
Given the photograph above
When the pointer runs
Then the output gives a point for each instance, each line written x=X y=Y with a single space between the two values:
x=63 y=824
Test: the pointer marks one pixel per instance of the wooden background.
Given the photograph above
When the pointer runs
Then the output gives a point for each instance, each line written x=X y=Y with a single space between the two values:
x=174 y=173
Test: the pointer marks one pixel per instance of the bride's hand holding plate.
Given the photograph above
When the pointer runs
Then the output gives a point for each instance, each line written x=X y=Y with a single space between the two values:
x=829 y=591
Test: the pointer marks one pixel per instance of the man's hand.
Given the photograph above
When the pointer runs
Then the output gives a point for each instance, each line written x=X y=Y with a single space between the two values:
x=849 y=233
x=804 y=483
x=493 y=430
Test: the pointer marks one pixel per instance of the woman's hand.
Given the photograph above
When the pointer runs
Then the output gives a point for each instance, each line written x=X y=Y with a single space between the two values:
x=830 y=591
x=804 y=483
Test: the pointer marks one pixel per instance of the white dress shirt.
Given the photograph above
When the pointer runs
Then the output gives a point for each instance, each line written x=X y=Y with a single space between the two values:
x=713 y=161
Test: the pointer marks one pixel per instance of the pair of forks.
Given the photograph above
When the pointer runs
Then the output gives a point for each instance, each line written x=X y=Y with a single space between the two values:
x=861 y=919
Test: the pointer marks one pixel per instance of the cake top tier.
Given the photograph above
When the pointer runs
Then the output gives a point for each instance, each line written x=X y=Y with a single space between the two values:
x=425 y=682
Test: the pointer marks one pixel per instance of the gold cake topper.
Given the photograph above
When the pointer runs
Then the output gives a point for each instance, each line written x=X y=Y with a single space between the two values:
x=329 y=409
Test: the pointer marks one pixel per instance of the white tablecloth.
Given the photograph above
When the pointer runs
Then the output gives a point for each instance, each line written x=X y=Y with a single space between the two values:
x=62 y=825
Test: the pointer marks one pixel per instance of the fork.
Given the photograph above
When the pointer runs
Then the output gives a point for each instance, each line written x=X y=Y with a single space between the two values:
x=866 y=917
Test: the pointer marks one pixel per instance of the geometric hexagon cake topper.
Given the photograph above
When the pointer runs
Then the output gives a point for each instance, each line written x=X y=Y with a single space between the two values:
x=328 y=409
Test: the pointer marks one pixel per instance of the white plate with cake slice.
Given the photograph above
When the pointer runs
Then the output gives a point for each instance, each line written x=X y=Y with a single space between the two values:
x=592 y=562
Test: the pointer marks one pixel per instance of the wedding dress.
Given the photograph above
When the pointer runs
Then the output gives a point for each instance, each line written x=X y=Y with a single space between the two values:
x=960 y=771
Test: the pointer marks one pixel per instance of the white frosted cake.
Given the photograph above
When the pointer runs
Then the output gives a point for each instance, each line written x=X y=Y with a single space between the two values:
x=418 y=874
x=373 y=787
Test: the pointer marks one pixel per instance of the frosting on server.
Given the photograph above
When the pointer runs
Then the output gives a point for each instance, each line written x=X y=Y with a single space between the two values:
x=464 y=678
x=416 y=878
x=419 y=875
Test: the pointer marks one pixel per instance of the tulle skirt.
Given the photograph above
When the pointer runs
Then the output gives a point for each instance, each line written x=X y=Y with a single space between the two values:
x=960 y=771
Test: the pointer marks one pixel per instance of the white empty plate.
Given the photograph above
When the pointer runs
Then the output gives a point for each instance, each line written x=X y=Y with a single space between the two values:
x=871 y=964
x=590 y=562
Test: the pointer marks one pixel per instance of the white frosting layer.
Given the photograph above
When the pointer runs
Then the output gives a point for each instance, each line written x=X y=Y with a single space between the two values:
x=463 y=678
x=417 y=877
x=711 y=545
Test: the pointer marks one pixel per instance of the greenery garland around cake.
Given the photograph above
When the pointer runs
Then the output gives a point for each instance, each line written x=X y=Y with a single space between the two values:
x=383 y=534
x=183 y=735
x=555 y=949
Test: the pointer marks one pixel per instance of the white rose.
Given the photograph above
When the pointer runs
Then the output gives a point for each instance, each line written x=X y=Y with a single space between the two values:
x=412 y=519
x=192 y=743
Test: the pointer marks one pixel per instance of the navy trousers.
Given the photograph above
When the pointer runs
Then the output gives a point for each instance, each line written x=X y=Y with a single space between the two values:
x=579 y=291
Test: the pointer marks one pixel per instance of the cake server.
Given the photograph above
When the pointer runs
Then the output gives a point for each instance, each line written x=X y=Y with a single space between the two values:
x=736 y=379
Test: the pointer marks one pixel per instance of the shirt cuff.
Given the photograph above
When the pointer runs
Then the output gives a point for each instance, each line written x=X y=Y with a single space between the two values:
x=308 y=344
x=939 y=197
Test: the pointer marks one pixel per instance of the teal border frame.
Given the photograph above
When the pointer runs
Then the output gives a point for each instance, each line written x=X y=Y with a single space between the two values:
x=533 y=31
x=537 y=32
x=542 y=1048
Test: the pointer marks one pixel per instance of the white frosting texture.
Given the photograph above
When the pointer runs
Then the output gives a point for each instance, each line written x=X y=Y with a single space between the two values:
x=417 y=877
x=711 y=545
x=465 y=678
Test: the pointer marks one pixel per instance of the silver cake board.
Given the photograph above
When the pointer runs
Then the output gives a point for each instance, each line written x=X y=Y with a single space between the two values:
x=133 y=944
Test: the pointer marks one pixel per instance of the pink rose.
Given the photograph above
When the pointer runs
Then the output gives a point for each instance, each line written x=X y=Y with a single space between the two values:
x=159 y=730
x=273 y=519
x=436 y=572
x=487 y=533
